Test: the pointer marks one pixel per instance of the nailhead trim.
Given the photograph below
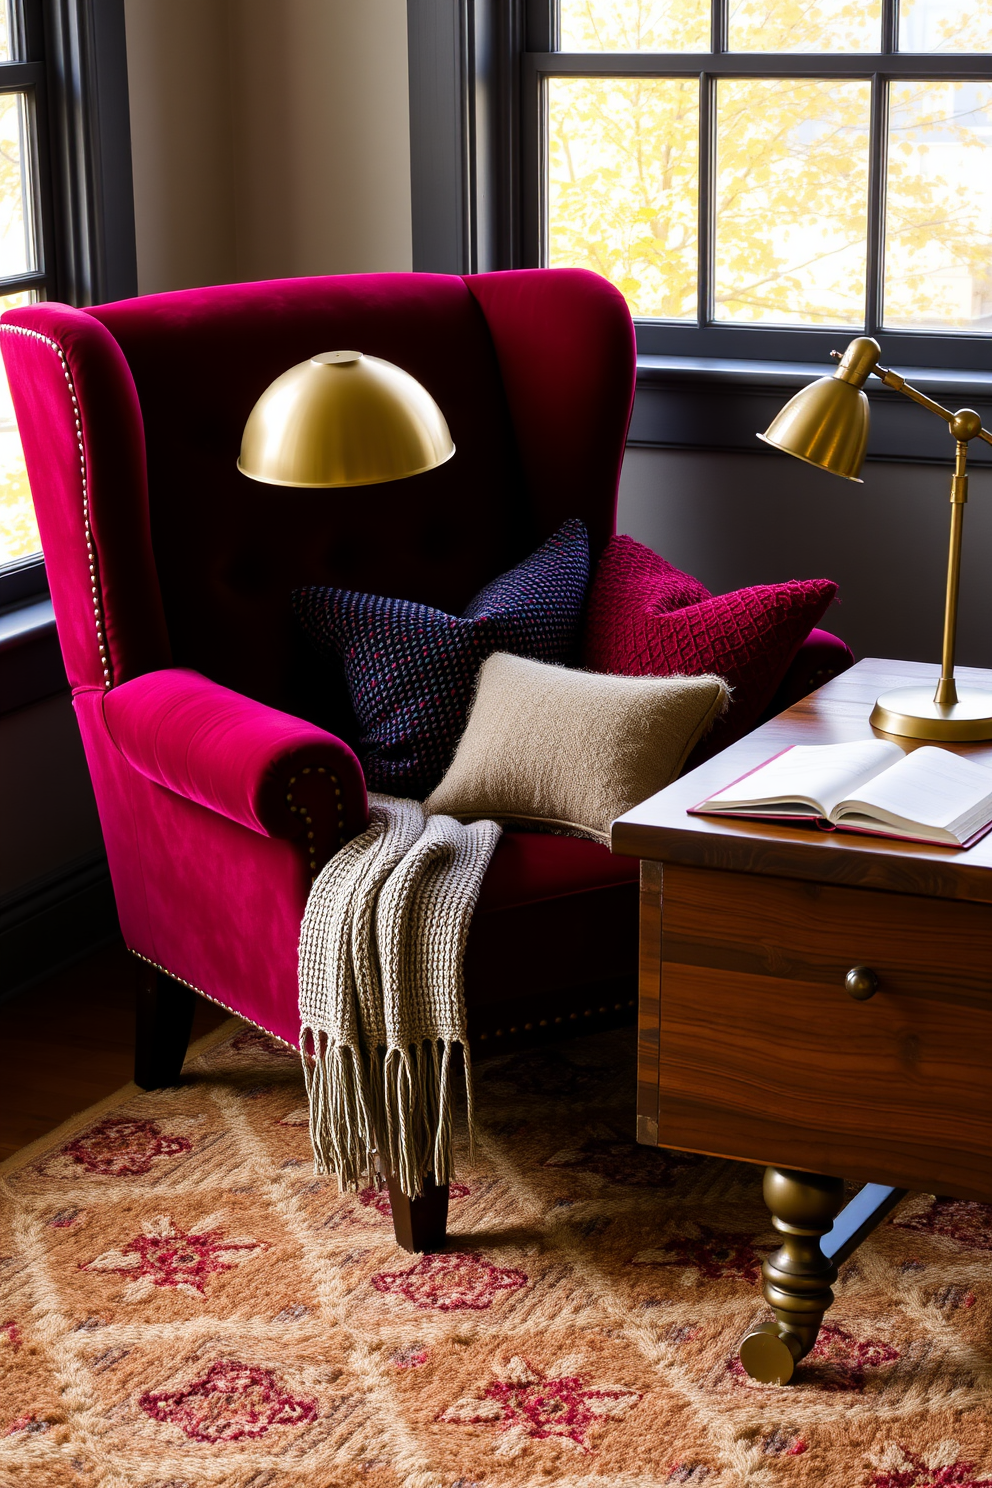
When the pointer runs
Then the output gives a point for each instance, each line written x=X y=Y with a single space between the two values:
x=308 y=819
x=98 y=617
x=617 y=1006
x=572 y=1017
x=216 y=1000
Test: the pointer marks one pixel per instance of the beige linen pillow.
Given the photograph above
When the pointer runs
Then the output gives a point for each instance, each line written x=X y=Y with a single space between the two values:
x=572 y=749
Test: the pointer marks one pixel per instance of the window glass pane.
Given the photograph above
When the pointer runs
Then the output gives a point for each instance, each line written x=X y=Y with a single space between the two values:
x=791 y=201
x=18 y=528
x=16 y=234
x=938 y=207
x=817 y=26
x=635 y=26
x=945 y=26
x=622 y=186
x=6 y=52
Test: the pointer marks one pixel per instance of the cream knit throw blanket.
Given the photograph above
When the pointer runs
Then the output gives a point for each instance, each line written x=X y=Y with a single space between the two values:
x=381 y=992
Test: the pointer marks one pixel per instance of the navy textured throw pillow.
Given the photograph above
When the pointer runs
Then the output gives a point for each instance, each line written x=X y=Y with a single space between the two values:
x=411 y=669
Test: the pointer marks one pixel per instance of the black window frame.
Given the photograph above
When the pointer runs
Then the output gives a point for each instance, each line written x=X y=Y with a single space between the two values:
x=960 y=350
x=72 y=66
x=478 y=134
x=474 y=68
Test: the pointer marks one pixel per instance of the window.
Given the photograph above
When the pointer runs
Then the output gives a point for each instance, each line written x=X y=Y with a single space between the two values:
x=761 y=178
x=66 y=204
x=23 y=259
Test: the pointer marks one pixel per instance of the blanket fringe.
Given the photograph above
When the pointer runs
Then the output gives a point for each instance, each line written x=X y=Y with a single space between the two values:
x=396 y=1117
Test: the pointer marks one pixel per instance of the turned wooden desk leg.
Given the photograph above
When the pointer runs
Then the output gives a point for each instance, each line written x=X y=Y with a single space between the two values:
x=419 y=1224
x=797 y=1278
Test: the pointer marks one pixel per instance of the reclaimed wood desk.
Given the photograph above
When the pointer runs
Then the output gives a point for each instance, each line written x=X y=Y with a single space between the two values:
x=754 y=1043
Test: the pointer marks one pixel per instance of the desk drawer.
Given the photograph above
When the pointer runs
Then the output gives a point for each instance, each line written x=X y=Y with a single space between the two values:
x=763 y=1054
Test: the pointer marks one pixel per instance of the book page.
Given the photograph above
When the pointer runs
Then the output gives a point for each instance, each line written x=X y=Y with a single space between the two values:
x=931 y=787
x=813 y=775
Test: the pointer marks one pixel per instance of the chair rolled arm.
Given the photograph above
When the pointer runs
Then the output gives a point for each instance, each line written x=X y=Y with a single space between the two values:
x=278 y=775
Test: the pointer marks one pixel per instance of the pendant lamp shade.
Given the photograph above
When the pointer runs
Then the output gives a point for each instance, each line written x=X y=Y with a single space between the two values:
x=343 y=419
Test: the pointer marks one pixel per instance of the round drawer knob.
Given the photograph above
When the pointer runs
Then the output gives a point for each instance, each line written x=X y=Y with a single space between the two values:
x=861 y=982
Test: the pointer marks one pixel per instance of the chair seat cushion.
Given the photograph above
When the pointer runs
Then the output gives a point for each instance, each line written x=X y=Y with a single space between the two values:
x=640 y=624
x=533 y=867
x=411 y=669
x=556 y=916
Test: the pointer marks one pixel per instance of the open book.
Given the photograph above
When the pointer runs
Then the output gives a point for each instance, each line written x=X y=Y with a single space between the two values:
x=930 y=795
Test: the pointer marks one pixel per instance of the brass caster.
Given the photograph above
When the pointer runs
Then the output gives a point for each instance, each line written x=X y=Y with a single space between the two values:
x=770 y=1354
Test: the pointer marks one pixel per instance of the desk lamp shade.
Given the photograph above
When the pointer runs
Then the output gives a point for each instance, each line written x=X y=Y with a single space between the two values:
x=343 y=419
x=826 y=424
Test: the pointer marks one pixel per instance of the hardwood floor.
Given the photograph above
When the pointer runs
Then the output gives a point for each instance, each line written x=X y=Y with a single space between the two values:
x=69 y=1041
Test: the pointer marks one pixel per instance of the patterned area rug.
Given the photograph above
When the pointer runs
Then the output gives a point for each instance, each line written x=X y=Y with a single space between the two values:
x=184 y=1305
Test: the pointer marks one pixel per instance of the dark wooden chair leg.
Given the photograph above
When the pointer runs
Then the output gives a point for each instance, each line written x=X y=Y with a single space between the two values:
x=419 y=1224
x=164 y=1019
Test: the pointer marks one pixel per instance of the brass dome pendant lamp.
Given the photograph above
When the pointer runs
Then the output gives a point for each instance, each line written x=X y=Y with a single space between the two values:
x=826 y=424
x=343 y=419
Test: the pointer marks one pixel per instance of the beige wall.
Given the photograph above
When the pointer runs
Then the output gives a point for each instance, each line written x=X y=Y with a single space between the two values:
x=269 y=138
x=179 y=80
x=323 y=137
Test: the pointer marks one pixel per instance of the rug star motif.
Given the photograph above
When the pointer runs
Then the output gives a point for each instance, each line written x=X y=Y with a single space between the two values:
x=231 y=1402
x=940 y=1467
x=164 y=1255
x=450 y=1281
x=120 y=1147
x=528 y=1405
x=716 y=1255
x=378 y=1198
x=964 y=1220
x=841 y=1361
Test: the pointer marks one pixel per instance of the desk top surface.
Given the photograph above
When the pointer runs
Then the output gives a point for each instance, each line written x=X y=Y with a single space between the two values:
x=660 y=828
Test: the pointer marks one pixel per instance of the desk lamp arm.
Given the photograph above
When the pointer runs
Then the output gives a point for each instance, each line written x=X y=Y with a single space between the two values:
x=965 y=425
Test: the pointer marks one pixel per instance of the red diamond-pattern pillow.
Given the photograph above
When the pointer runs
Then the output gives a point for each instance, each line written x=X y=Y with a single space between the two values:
x=647 y=618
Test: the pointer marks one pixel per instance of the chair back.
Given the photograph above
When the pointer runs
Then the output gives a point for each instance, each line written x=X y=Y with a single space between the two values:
x=169 y=552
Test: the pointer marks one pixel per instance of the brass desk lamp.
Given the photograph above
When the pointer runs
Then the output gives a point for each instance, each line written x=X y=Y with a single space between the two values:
x=826 y=424
x=343 y=419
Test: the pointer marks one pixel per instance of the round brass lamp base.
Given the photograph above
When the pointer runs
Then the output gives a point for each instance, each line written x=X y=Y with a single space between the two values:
x=911 y=713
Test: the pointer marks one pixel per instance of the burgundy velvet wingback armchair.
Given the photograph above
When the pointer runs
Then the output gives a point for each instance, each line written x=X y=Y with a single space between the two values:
x=216 y=742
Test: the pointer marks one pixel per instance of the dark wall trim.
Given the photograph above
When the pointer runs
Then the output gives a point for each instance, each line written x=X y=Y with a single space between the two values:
x=23 y=579
x=31 y=665
x=437 y=32
x=464 y=61
x=90 y=133
x=700 y=404
x=55 y=921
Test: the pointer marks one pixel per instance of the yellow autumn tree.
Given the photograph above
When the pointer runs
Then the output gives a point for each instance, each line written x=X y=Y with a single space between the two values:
x=792 y=163
x=18 y=528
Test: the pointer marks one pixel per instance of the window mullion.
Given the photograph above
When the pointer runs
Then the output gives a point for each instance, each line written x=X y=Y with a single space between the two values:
x=707 y=192
x=890 y=24
x=542 y=18
x=719 y=11
x=719 y=19
x=876 y=203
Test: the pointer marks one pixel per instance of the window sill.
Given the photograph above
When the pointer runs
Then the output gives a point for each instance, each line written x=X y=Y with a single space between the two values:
x=30 y=660
x=703 y=403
